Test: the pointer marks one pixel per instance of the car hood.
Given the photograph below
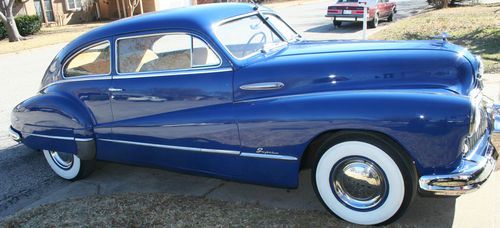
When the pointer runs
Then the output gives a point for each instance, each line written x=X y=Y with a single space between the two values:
x=333 y=46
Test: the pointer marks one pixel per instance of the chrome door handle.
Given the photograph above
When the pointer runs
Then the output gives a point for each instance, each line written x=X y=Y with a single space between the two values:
x=115 y=89
x=263 y=86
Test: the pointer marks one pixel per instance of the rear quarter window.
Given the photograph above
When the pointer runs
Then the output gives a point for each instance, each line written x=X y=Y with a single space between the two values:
x=93 y=60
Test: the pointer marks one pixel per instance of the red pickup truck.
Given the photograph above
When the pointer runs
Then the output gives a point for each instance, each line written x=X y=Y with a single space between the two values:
x=351 y=10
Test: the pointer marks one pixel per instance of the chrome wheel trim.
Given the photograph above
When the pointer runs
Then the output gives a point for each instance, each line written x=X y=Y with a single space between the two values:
x=359 y=183
x=61 y=159
x=386 y=209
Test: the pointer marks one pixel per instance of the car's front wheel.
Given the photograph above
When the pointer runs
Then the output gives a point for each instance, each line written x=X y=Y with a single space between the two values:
x=362 y=180
x=374 y=22
x=68 y=166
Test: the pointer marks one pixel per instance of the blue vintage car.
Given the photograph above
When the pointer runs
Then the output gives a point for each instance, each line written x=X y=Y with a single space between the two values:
x=232 y=91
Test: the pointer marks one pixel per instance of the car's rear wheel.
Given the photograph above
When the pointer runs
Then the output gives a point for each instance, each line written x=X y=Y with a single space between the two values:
x=68 y=166
x=374 y=22
x=362 y=179
x=337 y=23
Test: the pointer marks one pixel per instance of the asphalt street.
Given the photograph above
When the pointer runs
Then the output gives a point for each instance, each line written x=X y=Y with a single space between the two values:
x=27 y=181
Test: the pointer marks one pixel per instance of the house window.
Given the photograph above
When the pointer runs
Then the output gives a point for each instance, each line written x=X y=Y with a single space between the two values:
x=73 y=5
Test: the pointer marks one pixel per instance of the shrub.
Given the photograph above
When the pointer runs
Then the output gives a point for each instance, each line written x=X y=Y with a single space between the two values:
x=3 y=31
x=28 y=25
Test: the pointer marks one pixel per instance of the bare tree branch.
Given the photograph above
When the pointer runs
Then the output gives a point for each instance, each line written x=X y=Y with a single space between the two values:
x=2 y=11
x=11 y=4
x=2 y=17
x=133 y=4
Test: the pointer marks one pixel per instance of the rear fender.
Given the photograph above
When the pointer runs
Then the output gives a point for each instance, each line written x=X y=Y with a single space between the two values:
x=52 y=121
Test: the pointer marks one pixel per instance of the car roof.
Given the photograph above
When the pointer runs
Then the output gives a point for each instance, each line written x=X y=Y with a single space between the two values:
x=197 y=18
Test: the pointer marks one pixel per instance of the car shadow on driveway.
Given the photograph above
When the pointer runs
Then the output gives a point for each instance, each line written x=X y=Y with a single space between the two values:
x=110 y=178
x=25 y=178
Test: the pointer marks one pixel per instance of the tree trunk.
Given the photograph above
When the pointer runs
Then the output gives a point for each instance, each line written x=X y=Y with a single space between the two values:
x=12 y=31
x=446 y=3
x=7 y=18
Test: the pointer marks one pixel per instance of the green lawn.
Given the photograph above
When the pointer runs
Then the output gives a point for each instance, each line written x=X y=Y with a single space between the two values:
x=475 y=27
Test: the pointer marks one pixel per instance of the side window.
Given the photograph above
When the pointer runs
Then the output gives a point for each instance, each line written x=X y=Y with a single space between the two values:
x=163 y=52
x=94 y=60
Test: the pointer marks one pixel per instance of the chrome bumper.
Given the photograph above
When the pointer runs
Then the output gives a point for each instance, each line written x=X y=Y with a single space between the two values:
x=344 y=17
x=14 y=135
x=474 y=169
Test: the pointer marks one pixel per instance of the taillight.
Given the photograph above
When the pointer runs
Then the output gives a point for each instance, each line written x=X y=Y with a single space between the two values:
x=334 y=10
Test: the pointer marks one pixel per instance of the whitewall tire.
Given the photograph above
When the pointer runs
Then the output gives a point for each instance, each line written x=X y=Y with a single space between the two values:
x=68 y=166
x=360 y=182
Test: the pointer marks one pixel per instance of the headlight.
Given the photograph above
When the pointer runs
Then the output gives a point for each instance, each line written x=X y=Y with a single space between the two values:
x=480 y=71
x=475 y=125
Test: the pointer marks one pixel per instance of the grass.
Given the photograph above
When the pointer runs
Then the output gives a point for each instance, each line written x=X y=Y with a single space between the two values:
x=475 y=27
x=47 y=36
x=161 y=210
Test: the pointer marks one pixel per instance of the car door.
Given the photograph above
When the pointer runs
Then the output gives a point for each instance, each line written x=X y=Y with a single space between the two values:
x=172 y=104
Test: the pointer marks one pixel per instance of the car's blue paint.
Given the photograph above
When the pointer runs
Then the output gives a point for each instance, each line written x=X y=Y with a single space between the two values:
x=414 y=92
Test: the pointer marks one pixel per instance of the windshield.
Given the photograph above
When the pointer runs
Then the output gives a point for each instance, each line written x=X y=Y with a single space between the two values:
x=282 y=27
x=247 y=36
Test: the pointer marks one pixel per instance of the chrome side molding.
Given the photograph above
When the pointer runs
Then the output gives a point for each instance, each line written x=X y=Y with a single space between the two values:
x=195 y=149
x=204 y=150
x=269 y=156
x=62 y=137
x=263 y=86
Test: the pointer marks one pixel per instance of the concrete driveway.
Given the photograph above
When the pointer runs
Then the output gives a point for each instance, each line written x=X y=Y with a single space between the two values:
x=27 y=181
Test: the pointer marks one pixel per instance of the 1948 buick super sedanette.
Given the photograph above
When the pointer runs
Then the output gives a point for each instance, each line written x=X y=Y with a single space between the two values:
x=230 y=90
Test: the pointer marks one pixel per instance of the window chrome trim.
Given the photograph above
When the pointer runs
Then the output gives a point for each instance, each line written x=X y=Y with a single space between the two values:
x=63 y=68
x=119 y=75
x=269 y=156
x=195 y=149
x=77 y=79
x=174 y=73
x=284 y=22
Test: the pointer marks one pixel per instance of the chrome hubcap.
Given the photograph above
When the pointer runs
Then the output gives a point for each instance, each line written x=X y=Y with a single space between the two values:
x=63 y=160
x=359 y=183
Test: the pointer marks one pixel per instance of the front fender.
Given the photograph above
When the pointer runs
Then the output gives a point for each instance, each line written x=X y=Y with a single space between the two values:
x=52 y=121
x=429 y=125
